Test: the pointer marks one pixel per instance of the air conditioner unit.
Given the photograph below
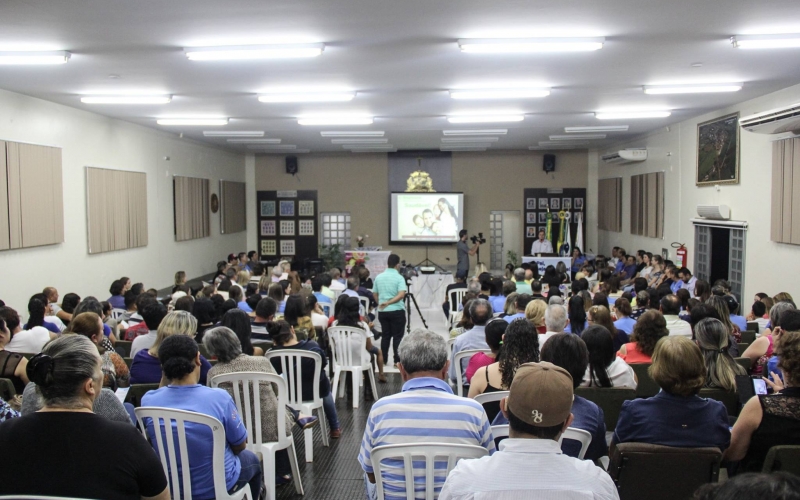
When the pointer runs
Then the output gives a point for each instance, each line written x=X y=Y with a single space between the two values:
x=715 y=212
x=775 y=121
x=625 y=156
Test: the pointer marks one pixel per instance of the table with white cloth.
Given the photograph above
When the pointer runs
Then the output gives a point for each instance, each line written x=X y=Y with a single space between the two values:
x=547 y=261
x=429 y=289
x=375 y=261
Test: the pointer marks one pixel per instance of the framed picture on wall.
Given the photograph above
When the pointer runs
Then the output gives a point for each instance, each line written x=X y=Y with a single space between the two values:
x=287 y=208
x=530 y=217
x=577 y=217
x=541 y=228
x=566 y=203
x=306 y=228
x=267 y=228
x=287 y=247
x=267 y=209
x=305 y=208
x=531 y=205
x=269 y=247
x=530 y=231
x=718 y=151
x=542 y=203
x=287 y=228
x=578 y=204
x=555 y=203
x=542 y=217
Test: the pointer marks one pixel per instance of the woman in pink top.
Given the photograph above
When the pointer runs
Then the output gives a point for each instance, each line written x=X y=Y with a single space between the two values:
x=648 y=330
x=495 y=330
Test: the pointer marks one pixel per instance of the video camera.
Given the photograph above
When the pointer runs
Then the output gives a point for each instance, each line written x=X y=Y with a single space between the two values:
x=407 y=272
x=479 y=238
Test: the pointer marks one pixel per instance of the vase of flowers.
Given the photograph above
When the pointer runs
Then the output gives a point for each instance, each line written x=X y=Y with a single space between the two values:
x=360 y=240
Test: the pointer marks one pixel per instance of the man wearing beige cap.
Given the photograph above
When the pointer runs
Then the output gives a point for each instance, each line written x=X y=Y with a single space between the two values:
x=538 y=410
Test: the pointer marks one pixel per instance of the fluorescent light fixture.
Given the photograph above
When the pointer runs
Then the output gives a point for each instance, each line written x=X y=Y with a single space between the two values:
x=368 y=146
x=192 y=121
x=455 y=148
x=574 y=137
x=782 y=41
x=563 y=143
x=596 y=128
x=352 y=133
x=359 y=141
x=126 y=99
x=625 y=115
x=483 y=145
x=34 y=57
x=307 y=97
x=693 y=88
x=499 y=93
x=279 y=152
x=245 y=52
x=470 y=139
x=254 y=141
x=281 y=147
x=528 y=45
x=550 y=148
x=485 y=118
x=493 y=131
x=233 y=133
x=361 y=150
x=335 y=120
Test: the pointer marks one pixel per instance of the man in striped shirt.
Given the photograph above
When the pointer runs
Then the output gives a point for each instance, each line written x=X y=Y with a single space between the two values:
x=426 y=411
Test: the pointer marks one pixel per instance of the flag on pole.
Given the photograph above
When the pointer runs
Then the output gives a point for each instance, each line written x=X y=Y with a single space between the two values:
x=561 y=225
x=548 y=232
x=567 y=247
x=579 y=234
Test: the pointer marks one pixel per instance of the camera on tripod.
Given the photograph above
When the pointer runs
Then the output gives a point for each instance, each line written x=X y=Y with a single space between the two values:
x=407 y=272
x=477 y=239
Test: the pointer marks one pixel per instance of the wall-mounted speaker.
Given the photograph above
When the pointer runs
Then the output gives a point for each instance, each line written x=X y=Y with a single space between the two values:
x=549 y=163
x=291 y=165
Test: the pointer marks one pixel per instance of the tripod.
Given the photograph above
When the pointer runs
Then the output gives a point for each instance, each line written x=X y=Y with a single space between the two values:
x=410 y=298
x=429 y=262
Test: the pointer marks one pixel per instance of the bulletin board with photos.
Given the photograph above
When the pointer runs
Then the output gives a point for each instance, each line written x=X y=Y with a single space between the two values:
x=537 y=201
x=287 y=224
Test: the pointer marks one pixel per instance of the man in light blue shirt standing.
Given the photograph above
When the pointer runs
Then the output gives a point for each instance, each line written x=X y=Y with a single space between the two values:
x=389 y=291
x=481 y=312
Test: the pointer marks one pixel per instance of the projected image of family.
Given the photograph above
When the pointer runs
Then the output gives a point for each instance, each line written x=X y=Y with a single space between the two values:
x=430 y=216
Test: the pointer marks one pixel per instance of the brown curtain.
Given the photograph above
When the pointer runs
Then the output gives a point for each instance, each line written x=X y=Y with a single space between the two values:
x=191 y=208
x=116 y=207
x=233 y=218
x=647 y=205
x=609 y=204
x=785 y=220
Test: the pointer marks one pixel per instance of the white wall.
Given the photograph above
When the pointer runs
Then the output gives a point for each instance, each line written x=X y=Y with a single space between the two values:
x=88 y=139
x=769 y=267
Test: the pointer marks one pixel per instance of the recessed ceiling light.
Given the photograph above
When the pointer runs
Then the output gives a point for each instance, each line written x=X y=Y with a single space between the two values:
x=352 y=133
x=491 y=131
x=126 y=99
x=469 y=139
x=359 y=141
x=192 y=121
x=255 y=141
x=233 y=133
x=597 y=128
x=245 y=52
x=307 y=97
x=34 y=57
x=498 y=93
x=279 y=152
x=335 y=120
x=574 y=137
x=625 y=115
x=692 y=88
x=273 y=147
x=485 y=118
x=527 y=45
x=468 y=148
x=368 y=146
x=563 y=143
x=782 y=41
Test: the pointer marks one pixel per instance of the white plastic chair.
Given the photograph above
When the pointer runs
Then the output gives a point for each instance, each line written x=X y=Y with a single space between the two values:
x=427 y=451
x=457 y=360
x=117 y=313
x=243 y=385
x=580 y=435
x=455 y=297
x=364 y=307
x=292 y=373
x=342 y=340
x=182 y=481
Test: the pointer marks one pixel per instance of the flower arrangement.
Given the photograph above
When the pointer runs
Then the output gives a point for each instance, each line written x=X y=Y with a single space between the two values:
x=361 y=239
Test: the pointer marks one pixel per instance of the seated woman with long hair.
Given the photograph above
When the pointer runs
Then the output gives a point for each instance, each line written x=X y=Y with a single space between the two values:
x=599 y=315
x=649 y=329
x=494 y=339
x=577 y=316
x=276 y=293
x=349 y=316
x=296 y=314
x=239 y=323
x=520 y=345
x=605 y=369
x=721 y=369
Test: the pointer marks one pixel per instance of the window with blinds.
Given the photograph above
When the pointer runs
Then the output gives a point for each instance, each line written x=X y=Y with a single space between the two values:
x=609 y=204
x=190 y=195
x=31 y=196
x=647 y=205
x=116 y=207
x=233 y=218
x=785 y=220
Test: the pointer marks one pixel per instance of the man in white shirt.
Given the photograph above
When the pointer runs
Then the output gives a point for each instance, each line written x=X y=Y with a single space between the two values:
x=337 y=283
x=152 y=314
x=556 y=320
x=541 y=245
x=670 y=308
x=530 y=463
x=688 y=280
x=25 y=341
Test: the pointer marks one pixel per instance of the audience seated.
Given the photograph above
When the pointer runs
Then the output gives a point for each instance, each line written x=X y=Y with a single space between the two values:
x=670 y=307
x=758 y=314
x=276 y=293
x=284 y=337
x=720 y=305
x=23 y=341
x=520 y=304
x=605 y=368
x=38 y=312
x=181 y=362
x=349 y=316
x=117 y=300
x=676 y=416
x=530 y=463
x=775 y=486
x=66 y=440
x=13 y=366
x=296 y=314
x=152 y=314
x=146 y=367
x=555 y=321
x=428 y=410
x=624 y=322
x=577 y=316
x=239 y=323
x=519 y=282
x=495 y=330
x=649 y=329
x=115 y=371
x=265 y=313
x=600 y=315
x=463 y=321
x=534 y=312
x=520 y=345
x=481 y=312
x=721 y=370
x=762 y=351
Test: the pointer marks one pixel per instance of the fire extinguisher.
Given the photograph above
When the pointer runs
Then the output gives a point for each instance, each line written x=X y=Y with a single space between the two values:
x=682 y=253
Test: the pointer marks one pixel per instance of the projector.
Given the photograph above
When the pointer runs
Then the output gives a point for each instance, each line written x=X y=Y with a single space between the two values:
x=427 y=269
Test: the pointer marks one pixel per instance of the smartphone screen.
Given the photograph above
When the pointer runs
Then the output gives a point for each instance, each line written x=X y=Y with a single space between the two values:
x=759 y=386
